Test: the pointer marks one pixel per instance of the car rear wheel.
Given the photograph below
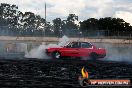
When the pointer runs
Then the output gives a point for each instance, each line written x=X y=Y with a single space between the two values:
x=93 y=56
x=56 y=55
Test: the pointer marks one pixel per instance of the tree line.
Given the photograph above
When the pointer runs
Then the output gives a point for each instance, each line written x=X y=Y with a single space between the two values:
x=16 y=23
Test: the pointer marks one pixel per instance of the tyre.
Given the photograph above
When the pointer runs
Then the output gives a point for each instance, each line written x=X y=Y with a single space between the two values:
x=56 y=55
x=93 y=56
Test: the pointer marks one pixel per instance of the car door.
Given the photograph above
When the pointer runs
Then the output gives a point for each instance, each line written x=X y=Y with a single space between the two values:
x=71 y=50
x=85 y=49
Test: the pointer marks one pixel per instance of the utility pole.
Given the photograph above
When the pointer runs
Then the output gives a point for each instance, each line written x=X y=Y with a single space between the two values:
x=45 y=20
x=45 y=11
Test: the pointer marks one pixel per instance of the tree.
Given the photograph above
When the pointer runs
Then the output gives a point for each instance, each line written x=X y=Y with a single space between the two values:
x=89 y=26
x=69 y=26
x=8 y=17
x=57 y=23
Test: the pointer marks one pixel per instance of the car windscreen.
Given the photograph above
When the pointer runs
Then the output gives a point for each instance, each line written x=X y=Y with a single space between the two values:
x=85 y=45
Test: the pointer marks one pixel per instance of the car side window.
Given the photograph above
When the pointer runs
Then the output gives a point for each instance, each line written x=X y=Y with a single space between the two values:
x=73 y=45
x=69 y=45
x=85 y=45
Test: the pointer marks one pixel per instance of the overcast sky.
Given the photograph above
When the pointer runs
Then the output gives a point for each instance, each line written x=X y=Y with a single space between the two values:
x=83 y=8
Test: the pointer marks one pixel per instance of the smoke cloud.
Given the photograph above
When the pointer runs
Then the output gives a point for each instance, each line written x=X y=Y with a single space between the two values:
x=117 y=52
x=40 y=52
x=114 y=52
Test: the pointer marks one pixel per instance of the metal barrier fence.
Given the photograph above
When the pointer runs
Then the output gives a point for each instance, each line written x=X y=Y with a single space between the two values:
x=7 y=31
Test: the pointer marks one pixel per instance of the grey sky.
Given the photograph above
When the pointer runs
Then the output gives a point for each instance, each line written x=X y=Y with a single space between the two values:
x=83 y=8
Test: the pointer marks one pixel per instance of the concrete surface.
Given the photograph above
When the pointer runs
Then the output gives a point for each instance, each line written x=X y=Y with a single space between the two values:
x=55 y=39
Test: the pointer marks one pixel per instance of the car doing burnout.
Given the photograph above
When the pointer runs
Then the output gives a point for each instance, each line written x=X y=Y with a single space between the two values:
x=77 y=49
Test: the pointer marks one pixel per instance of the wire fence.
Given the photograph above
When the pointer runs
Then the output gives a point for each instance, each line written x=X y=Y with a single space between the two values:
x=7 y=31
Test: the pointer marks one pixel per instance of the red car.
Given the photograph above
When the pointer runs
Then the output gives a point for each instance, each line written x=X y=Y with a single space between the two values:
x=77 y=49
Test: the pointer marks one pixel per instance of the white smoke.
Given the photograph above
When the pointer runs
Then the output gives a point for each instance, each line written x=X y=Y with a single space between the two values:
x=120 y=53
x=114 y=52
x=39 y=52
x=63 y=41
x=117 y=52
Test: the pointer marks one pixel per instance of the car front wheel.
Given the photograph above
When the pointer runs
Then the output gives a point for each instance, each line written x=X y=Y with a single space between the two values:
x=56 y=55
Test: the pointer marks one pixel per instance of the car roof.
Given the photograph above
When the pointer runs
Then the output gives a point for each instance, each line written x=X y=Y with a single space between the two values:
x=81 y=42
